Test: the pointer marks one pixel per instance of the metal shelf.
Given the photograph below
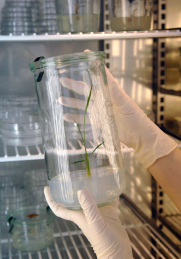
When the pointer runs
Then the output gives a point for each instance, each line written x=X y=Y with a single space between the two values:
x=170 y=91
x=35 y=152
x=70 y=243
x=171 y=219
x=108 y=35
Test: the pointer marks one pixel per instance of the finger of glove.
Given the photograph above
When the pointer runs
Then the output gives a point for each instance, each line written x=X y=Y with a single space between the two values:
x=79 y=87
x=72 y=103
x=75 y=216
x=122 y=101
x=110 y=77
x=90 y=209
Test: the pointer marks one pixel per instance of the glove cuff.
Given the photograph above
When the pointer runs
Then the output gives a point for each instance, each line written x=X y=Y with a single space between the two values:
x=161 y=145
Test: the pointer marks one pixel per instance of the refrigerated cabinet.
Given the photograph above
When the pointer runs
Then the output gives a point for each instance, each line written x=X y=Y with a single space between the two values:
x=150 y=218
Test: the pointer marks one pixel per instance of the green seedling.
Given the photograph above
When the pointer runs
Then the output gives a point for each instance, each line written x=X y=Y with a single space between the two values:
x=86 y=160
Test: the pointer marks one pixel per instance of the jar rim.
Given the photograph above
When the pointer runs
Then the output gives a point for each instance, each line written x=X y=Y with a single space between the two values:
x=68 y=59
x=48 y=216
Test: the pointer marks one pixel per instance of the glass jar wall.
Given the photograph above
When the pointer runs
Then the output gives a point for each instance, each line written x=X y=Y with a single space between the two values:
x=80 y=139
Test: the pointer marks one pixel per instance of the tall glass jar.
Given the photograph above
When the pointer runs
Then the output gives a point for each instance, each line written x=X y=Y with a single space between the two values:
x=130 y=15
x=77 y=15
x=81 y=145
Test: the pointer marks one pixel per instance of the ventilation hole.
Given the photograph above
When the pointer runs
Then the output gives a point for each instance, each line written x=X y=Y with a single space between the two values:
x=162 y=54
x=161 y=108
x=107 y=17
x=163 y=45
x=107 y=55
x=161 y=117
x=163 y=26
x=163 y=6
x=162 y=82
x=162 y=99
x=107 y=46
x=160 y=210
x=107 y=8
x=107 y=26
x=162 y=72
x=163 y=16
x=161 y=202
x=107 y=65
x=162 y=63
x=161 y=194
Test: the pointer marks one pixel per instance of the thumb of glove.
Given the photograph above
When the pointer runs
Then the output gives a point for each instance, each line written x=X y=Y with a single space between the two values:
x=90 y=209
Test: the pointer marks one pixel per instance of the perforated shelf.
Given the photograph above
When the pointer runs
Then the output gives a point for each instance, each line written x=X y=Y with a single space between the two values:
x=35 y=152
x=70 y=243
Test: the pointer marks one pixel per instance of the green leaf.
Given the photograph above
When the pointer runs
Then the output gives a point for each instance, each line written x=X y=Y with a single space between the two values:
x=83 y=138
x=88 y=100
x=77 y=162
x=97 y=147
x=86 y=155
x=79 y=130
x=87 y=104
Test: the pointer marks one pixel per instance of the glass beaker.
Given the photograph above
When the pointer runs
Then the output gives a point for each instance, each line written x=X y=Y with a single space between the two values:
x=77 y=15
x=81 y=145
x=130 y=15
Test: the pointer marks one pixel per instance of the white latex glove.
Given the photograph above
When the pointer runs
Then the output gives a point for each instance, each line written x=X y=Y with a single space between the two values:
x=135 y=129
x=102 y=226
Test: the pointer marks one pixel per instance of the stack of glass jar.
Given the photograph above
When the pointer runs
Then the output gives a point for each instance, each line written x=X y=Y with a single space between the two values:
x=19 y=121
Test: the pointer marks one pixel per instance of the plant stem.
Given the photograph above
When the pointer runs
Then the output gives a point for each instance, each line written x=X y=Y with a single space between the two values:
x=87 y=158
x=87 y=164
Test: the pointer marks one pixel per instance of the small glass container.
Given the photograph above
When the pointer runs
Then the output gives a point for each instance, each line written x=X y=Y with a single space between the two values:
x=130 y=15
x=31 y=228
x=82 y=149
x=21 y=128
x=77 y=16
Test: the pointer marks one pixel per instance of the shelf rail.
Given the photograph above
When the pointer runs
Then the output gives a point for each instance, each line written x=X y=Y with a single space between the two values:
x=22 y=153
x=108 y=35
x=35 y=152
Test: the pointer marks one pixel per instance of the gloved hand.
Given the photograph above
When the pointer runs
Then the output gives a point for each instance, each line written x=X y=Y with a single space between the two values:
x=135 y=129
x=102 y=226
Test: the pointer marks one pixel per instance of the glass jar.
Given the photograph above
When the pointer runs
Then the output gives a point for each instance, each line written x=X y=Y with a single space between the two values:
x=31 y=228
x=77 y=15
x=81 y=145
x=130 y=15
